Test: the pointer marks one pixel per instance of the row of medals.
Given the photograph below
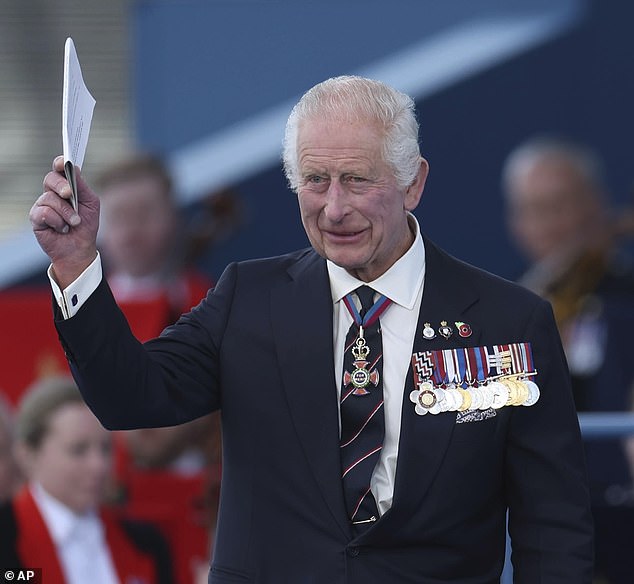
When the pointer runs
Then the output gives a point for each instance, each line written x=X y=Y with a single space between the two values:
x=498 y=393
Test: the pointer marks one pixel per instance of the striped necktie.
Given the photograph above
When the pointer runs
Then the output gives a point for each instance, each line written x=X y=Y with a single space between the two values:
x=361 y=406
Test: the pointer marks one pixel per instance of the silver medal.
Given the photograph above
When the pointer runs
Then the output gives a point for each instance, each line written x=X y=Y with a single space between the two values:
x=533 y=392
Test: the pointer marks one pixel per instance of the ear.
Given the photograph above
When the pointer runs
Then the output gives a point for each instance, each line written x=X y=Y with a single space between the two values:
x=414 y=192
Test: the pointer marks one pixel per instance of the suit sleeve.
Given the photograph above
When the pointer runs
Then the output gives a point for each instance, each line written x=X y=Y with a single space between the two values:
x=166 y=381
x=549 y=508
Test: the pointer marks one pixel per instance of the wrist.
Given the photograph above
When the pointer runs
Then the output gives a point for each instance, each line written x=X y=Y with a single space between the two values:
x=65 y=272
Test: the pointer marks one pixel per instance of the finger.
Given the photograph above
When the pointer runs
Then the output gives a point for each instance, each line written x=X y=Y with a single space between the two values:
x=61 y=208
x=44 y=218
x=58 y=163
x=57 y=183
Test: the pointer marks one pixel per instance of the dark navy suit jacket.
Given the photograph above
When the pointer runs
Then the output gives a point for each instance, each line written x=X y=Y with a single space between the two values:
x=260 y=348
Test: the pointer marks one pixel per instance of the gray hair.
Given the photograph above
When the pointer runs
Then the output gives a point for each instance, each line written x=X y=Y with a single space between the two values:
x=585 y=161
x=354 y=98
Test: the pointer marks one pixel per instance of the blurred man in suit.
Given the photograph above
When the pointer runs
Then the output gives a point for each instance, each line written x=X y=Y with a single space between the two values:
x=560 y=218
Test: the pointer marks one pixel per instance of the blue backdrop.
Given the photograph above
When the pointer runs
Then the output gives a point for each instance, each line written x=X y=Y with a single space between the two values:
x=200 y=66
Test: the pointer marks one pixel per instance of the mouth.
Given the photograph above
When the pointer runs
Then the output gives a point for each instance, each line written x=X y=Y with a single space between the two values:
x=342 y=236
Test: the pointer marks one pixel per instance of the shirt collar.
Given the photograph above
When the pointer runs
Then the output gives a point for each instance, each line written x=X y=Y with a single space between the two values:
x=60 y=520
x=400 y=283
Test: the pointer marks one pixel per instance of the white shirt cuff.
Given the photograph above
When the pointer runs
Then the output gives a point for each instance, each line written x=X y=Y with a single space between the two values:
x=72 y=298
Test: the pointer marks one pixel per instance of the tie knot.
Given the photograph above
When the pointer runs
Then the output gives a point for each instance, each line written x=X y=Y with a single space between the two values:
x=366 y=296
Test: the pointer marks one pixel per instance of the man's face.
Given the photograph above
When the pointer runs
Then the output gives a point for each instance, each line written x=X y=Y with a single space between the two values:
x=353 y=211
x=551 y=208
x=139 y=226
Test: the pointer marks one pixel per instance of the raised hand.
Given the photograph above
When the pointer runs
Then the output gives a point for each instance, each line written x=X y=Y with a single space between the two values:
x=67 y=237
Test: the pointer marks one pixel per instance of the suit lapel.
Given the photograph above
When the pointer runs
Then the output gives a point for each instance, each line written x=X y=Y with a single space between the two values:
x=302 y=322
x=424 y=439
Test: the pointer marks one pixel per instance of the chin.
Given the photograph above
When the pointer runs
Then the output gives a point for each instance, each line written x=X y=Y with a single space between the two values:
x=341 y=262
x=346 y=258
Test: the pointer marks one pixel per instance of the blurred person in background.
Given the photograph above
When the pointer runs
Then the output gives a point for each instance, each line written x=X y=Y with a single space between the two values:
x=169 y=475
x=560 y=218
x=143 y=243
x=9 y=474
x=57 y=522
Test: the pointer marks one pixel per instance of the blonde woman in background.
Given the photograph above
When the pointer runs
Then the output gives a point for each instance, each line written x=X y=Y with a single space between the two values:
x=56 y=522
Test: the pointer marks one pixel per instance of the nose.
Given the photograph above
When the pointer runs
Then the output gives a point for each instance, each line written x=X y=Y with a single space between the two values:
x=336 y=207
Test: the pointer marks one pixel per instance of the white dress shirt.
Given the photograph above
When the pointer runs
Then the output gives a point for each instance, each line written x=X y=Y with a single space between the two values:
x=79 y=539
x=403 y=284
x=71 y=299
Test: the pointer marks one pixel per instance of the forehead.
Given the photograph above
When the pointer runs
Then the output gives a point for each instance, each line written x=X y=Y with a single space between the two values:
x=549 y=175
x=73 y=420
x=323 y=140
x=142 y=188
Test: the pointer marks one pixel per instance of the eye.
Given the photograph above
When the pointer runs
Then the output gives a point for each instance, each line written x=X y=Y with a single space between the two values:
x=354 y=179
x=78 y=449
x=316 y=183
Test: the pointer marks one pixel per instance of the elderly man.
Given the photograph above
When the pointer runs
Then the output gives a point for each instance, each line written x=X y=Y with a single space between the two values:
x=383 y=404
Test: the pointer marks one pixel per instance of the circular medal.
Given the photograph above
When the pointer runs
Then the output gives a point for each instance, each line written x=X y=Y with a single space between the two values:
x=487 y=397
x=514 y=392
x=360 y=378
x=456 y=399
x=533 y=392
x=510 y=384
x=446 y=404
x=427 y=399
x=476 y=398
x=522 y=392
x=466 y=400
x=500 y=394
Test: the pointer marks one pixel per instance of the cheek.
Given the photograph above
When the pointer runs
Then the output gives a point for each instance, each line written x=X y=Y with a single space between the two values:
x=55 y=474
x=313 y=233
x=160 y=229
x=525 y=227
x=309 y=211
